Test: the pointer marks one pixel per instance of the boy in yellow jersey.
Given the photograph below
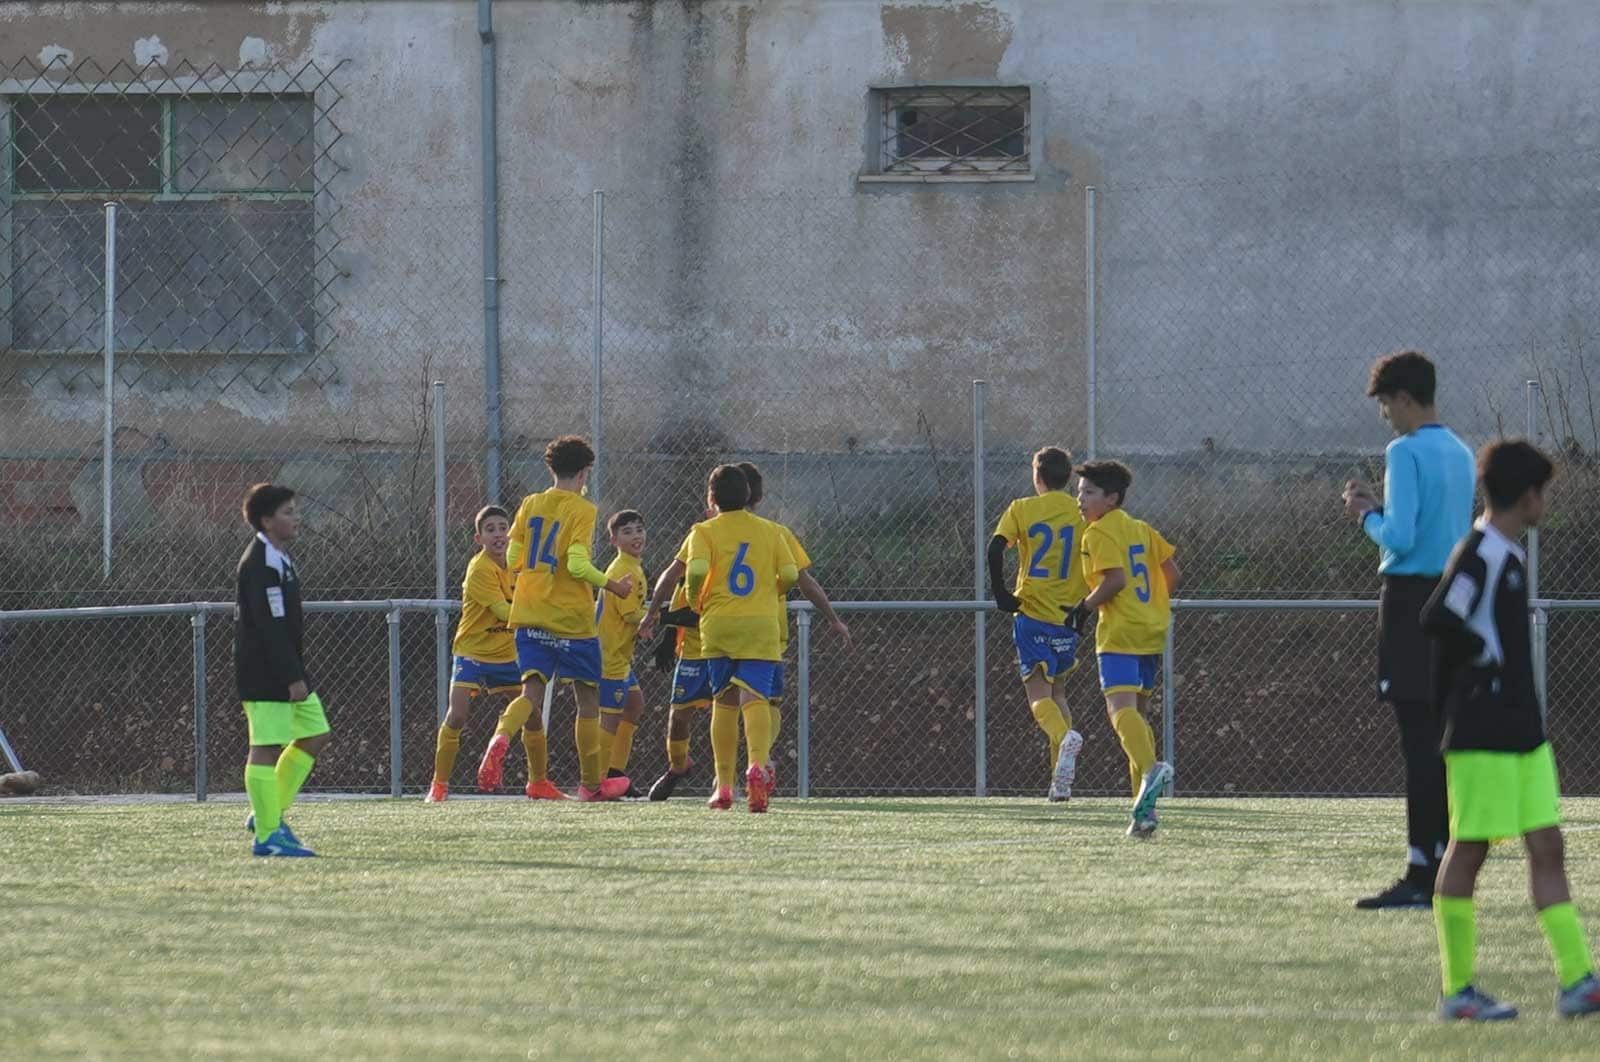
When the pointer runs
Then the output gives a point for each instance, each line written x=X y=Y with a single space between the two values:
x=1047 y=530
x=1131 y=574
x=691 y=683
x=553 y=617
x=486 y=655
x=739 y=569
x=809 y=588
x=621 y=702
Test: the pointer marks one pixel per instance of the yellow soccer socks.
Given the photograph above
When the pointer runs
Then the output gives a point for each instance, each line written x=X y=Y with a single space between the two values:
x=537 y=750
x=515 y=715
x=261 y=784
x=1458 y=937
x=622 y=746
x=608 y=736
x=725 y=741
x=294 y=767
x=775 y=726
x=445 y=749
x=1138 y=741
x=758 y=731
x=1047 y=713
x=586 y=734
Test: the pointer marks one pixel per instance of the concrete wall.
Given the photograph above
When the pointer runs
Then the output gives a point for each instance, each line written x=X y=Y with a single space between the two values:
x=1265 y=227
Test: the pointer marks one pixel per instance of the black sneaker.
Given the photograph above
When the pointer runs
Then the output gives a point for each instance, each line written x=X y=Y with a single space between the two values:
x=1401 y=894
x=664 y=786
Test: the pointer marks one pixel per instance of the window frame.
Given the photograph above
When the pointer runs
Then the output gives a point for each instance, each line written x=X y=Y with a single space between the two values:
x=888 y=100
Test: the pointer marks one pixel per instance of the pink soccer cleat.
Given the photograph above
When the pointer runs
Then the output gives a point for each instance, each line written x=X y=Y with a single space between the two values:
x=722 y=799
x=437 y=791
x=491 y=769
x=758 y=786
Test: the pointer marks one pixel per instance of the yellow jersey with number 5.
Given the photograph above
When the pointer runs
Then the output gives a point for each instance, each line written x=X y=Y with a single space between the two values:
x=740 y=567
x=1136 y=619
x=548 y=596
x=1047 y=530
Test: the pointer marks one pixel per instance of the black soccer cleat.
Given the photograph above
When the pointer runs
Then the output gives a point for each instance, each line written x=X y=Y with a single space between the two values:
x=663 y=787
x=1402 y=894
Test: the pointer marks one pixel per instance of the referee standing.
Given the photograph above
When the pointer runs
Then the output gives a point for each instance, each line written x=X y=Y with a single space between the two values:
x=1426 y=510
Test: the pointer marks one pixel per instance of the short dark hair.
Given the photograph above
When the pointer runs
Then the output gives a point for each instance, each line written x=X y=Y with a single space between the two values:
x=752 y=475
x=622 y=518
x=1509 y=468
x=729 y=488
x=1409 y=371
x=1113 y=477
x=1053 y=466
x=568 y=455
x=262 y=500
x=486 y=512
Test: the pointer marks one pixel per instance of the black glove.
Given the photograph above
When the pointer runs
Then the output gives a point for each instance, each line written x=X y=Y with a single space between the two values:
x=1077 y=617
x=666 y=651
x=1006 y=601
x=680 y=617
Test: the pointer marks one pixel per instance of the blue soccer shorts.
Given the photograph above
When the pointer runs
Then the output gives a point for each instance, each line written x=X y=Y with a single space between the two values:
x=757 y=676
x=613 y=692
x=550 y=657
x=479 y=677
x=1129 y=672
x=691 y=684
x=1051 y=646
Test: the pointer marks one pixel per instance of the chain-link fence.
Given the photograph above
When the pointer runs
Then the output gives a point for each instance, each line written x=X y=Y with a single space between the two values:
x=274 y=317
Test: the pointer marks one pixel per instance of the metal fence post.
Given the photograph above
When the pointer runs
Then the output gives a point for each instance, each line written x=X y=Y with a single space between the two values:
x=802 y=621
x=198 y=622
x=441 y=625
x=596 y=340
x=1541 y=617
x=1089 y=337
x=108 y=443
x=394 y=702
x=980 y=648
x=1169 y=722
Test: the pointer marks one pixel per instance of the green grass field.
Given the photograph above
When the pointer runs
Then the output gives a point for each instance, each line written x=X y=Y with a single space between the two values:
x=827 y=929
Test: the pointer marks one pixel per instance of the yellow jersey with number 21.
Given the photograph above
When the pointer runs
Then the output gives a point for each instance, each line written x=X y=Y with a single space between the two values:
x=1047 y=530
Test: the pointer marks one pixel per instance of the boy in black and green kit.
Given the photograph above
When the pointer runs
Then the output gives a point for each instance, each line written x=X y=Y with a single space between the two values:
x=1499 y=769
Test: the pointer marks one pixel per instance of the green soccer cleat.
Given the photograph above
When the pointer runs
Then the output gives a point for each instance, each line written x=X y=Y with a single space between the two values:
x=1156 y=780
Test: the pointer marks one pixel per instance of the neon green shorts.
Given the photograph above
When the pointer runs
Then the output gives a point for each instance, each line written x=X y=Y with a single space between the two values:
x=280 y=722
x=1499 y=795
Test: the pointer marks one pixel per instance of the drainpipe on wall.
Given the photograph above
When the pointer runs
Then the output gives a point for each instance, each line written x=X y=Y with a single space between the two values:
x=491 y=256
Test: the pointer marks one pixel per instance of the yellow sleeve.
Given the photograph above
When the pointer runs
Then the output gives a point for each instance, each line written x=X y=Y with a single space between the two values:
x=1100 y=552
x=581 y=567
x=1008 y=528
x=517 y=549
x=788 y=570
x=699 y=563
x=483 y=588
x=1164 y=550
x=802 y=559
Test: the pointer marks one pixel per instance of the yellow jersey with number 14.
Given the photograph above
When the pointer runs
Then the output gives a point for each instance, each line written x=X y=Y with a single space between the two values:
x=1136 y=620
x=548 y=596
x=1047 y=530
x=619 y=618
x=740 y=567
x=480 y=634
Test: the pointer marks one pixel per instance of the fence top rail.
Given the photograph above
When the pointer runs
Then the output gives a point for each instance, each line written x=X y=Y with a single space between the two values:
x=211 y=608
x=426 y=604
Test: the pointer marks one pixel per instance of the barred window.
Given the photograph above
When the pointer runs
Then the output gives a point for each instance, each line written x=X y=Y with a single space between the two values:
x=215 y=227
x=953 y=131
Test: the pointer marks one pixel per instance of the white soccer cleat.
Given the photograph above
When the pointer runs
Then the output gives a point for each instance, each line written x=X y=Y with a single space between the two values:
x=1066 y=767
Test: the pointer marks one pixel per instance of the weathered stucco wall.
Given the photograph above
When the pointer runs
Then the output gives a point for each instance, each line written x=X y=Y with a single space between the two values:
x=1260 y=234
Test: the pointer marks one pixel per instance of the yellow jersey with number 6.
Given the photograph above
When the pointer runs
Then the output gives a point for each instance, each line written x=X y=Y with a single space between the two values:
x=748 y=567
x=1136 y=620
x=548 y=596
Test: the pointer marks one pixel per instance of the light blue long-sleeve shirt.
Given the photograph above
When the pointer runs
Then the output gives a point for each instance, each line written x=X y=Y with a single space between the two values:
x=1428 y=487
